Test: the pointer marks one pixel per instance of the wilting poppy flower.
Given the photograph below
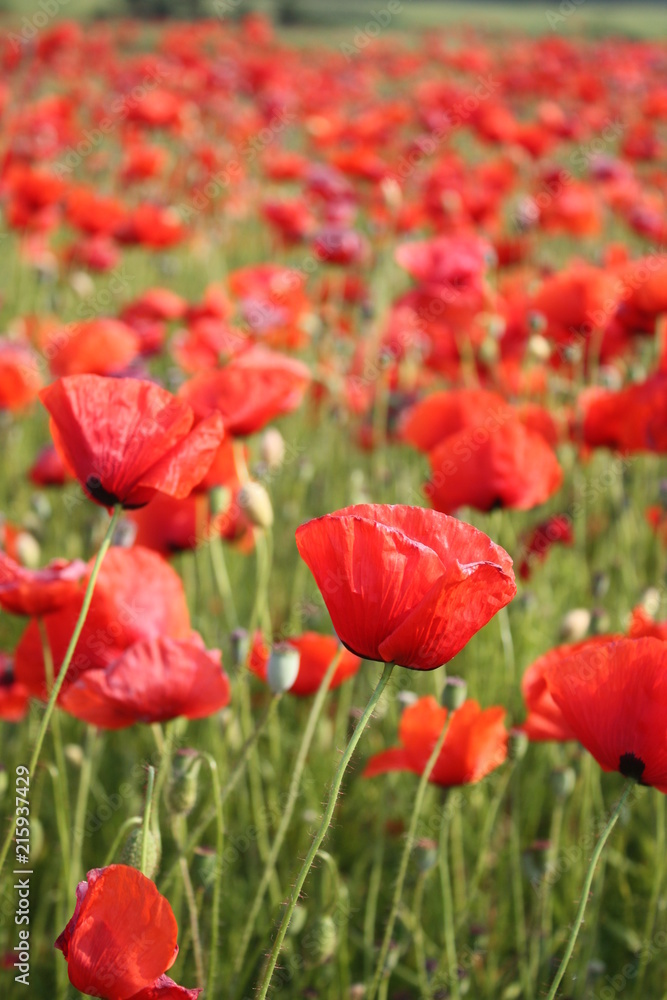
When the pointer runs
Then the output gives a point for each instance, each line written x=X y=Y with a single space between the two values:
x=155 y=680
x=251 y=390
x=315 y=654
x=613 y=697
x=475 y=744
x=495 y=466
x=540 y=539
x=405 y=584
x=39 y=591
x=121 y=938
x=14 y=696
x=126 y=439
x=137 y=596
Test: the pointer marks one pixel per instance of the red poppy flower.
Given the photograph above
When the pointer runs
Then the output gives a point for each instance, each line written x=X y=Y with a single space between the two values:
x=14 y=697
x=482 y=467
x=155 y=680
x=405 y=584
x=315 y=654
x=20 y=379
x=48 y=468
x=137 y=596
x=556 y=529
x=642 y=625
x=126 y=440
x=631 y=420
x=251 y=390
x=426 y=424
x=613 y=697
x=475 y=744
x=99 y=346
x=38 y=591
x=121 y=938
x=545 y=720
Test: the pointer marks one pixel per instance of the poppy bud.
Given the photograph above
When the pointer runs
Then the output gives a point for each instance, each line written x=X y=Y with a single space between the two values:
x=132 y=850
x=391 y=193
x=28 y=551
x=182 y=788
x=240 y=644
x=272 y=448
x=563 y=782
x=454 y=693
x=81 y=283
x=283 y=668
x=539 y=347
x=205 y=862
x=357 y=991
x=321 y=941
x=218 y=499
x=427 y=855
x=41 y=506
x=74 y=754
x=575 y=624
x=256 y=504
x=517 y=744
x=489 y=352
x=650 y=601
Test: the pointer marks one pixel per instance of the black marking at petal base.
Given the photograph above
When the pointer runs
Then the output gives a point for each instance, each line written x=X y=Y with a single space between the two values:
x=631 y=766
x=95 y=489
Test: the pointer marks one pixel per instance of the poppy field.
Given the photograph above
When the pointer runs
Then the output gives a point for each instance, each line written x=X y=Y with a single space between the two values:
x=333 y=510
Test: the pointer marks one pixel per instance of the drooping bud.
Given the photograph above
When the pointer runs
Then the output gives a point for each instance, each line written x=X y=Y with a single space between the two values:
x=563 y=782
x=517 y=744
x=575 y=624
x=283 y=668
x=321 y=941
x=240 y=644
x=28 y=551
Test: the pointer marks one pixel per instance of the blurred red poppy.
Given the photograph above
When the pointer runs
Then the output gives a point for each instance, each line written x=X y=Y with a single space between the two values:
x=126 y=439
x=39 y=591
x=556 y=529
x=493 y=466
x=613 y=697
x=154 y=680
x=121 y=938
x=405 y=584
x=642 y=625
x=475 y=744
x=254 y=388
x=315 y=654
x=137 y=596
x=14 y=697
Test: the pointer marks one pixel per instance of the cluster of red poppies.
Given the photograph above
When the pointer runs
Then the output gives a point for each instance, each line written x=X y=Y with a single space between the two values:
x=428 y=296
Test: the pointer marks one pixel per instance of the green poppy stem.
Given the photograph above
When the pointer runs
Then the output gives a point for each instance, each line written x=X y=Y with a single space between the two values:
x=60 y=679
x=578 y=920
x=321 y=833
x=145 y=829
x=408 y=847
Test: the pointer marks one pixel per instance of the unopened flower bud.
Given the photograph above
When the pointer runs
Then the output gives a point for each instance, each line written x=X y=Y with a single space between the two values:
x=539 y=347
x=283 y=668
x=563 y=782
x=132 y=850
x=240 y=645
x=272 y=448
x=181 y=792
x=256 y=504
x=454 y=693
x=489 y=351
x=81 y=283
x=575 y=624
x=517 y=744
x=41 y=506
x=426 y=854
x=321 y=941
x=650 y=601
x=391 y=193
x=27 y=550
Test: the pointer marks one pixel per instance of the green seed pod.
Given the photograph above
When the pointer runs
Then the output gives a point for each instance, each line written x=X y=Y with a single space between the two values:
x=132 y=849
x=321 y=941
x=454 y=693
x=181 y=794
x=283 y=668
